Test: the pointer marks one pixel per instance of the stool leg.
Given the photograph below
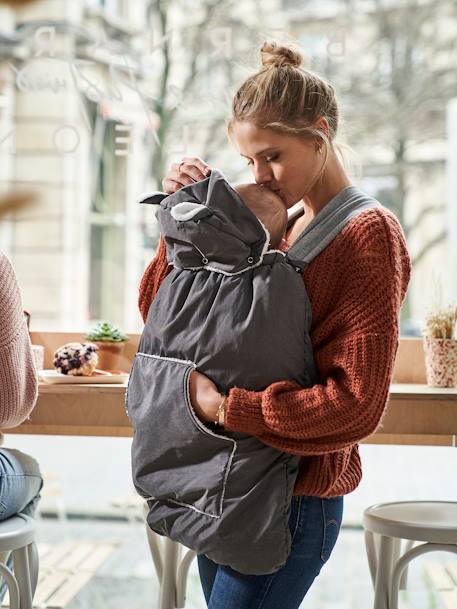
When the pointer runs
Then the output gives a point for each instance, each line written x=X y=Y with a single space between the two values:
x=22 y=573
x=33 y=565
x=404 y=576
x=155 y=547
x=167 y=598
x=13 y=588
x=371 y=555
x=181 y=582
x=383 y=573
x=396 y=550
x=407 y=558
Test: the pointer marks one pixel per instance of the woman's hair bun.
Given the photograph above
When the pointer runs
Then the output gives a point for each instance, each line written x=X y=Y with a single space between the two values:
x=277 y=55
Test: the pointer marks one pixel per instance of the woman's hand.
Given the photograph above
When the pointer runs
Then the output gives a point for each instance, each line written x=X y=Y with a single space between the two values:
x=204 y=396
x=188 y=171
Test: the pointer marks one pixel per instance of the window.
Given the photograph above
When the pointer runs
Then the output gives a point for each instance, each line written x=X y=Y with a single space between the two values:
x=395 y=80
x=108 y=231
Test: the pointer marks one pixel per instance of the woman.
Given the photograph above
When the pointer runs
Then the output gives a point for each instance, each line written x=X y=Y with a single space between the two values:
x=284 y=122
x=20 y=477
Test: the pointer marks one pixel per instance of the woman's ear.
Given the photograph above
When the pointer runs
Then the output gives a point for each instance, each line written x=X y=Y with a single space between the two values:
x=322 y=124
x=152 y=198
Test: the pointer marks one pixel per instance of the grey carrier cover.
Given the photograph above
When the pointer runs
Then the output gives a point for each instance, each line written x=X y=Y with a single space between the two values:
x=239 y=313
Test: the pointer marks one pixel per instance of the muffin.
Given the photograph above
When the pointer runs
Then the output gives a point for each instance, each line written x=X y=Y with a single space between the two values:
x=77 y=359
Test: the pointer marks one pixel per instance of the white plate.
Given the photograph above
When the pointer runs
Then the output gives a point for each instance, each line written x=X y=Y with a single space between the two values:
x=52 y=376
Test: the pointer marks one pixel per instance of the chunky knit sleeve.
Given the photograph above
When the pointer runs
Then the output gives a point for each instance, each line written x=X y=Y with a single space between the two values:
x=354 y=350
x=18 y=380
x=152 y=278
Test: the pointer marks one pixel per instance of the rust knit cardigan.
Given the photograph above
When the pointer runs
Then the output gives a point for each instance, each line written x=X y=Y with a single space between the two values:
x=356 y=287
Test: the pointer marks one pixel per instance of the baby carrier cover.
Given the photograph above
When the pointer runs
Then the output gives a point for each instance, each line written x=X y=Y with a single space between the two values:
x=237 y=312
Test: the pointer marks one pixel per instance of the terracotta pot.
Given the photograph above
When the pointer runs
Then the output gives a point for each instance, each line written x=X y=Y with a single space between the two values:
x=441 y=361
x=109 y=354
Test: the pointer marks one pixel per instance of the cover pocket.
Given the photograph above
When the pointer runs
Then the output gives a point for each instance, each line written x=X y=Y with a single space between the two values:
x=175 y=457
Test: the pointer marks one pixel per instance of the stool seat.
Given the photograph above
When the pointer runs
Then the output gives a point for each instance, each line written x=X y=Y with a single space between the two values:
x=16 y=532
x=386 y=525
x=431 y=521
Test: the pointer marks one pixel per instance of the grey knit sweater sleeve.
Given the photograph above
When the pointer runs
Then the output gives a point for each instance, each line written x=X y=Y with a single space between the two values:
x=18 y=381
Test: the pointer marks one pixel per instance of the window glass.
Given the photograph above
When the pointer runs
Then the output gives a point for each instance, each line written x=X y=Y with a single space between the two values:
x=92 y=113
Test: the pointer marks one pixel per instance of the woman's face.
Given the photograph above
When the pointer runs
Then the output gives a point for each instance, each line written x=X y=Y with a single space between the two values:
x=286 y=164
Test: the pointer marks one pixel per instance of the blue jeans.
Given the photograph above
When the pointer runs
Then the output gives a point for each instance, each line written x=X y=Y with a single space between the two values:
x=314 y=524
x=20 y=485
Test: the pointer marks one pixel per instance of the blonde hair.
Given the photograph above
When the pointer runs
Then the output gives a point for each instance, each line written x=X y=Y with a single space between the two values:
x=285 y=97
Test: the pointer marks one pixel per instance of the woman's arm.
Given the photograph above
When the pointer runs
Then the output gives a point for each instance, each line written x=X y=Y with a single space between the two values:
x=355 y=359
x=152 y=278
x=18 y=379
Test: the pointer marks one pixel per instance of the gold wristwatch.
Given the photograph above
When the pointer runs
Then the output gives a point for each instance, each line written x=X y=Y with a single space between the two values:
x=221 y=412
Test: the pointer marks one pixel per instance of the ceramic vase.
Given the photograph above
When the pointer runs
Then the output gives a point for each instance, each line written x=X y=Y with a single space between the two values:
x=441 y=361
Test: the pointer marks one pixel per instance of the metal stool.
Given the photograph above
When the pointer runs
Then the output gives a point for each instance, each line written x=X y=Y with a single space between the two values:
x=17 y=535
x=434 y=522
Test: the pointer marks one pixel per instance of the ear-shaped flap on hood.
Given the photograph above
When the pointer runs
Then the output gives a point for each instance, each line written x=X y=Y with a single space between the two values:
x=188 y=210
x=152 y=198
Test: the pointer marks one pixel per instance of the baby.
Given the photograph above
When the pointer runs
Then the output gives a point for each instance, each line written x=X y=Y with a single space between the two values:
x=267 y=207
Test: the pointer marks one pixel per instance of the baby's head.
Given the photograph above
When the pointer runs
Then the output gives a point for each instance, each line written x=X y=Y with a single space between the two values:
x=267 y=207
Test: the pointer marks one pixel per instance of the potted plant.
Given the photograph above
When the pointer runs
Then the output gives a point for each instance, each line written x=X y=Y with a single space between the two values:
x=110 y=342
x=440 y=347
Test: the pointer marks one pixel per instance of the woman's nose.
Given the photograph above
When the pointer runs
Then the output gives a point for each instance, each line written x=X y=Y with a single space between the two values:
x=262 y=174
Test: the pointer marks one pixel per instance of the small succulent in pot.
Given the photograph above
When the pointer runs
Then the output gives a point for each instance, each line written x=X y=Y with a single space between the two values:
x=110 y=342
x=105 y=331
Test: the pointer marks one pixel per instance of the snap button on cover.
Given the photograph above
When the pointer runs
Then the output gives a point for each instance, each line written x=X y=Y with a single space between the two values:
x=250 y=259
